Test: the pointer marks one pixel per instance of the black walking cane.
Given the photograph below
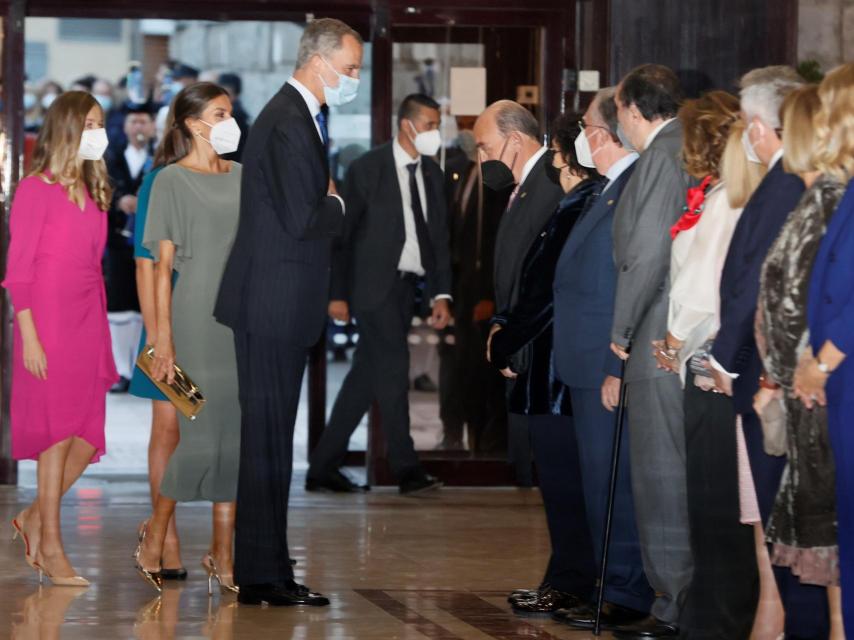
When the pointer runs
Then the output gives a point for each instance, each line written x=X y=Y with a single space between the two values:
x=612 y=489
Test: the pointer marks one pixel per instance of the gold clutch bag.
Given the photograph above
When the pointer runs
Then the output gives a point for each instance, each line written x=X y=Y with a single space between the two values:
x=183 y=392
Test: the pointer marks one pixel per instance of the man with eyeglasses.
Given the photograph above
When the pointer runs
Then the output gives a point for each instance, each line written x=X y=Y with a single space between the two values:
x=584 y=288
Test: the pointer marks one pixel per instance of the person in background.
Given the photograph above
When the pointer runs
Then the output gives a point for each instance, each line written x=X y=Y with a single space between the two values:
x=825 y=374
x=734 y=360
x=84 y=83
x=648 y=99
x=513 y=159
x=49 y=92
x=62 y=365
x=393 y=250
x=174 y=76
x=165 y=431
x=520 y=347
x=471 y=392
x=274 y=295
x=234 y=85
x=191 y=223
x=802 y=527
x=105 y=94
x=584 y=285
x=721 y=600
x=33 y=112
x=127 y=169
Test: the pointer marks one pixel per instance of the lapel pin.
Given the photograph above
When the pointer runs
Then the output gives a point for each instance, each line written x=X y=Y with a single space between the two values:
x=610 y=202
x=523 y=194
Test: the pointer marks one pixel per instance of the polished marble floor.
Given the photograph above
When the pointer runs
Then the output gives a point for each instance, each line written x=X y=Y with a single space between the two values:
x=435 y=567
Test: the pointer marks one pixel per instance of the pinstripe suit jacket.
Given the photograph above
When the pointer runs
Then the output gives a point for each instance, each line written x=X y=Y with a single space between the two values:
x=276 y=280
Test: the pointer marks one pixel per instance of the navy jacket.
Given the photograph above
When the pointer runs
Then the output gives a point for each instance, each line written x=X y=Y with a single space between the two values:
x=585 y=284
x=830 y=308
x=276 y=280
x=525 y=341
x=760 y=223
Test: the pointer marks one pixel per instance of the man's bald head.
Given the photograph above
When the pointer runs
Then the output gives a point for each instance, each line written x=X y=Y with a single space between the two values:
x=504 y=127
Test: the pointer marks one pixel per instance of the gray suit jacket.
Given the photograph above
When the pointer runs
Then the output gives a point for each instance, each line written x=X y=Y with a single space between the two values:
x=650 y=204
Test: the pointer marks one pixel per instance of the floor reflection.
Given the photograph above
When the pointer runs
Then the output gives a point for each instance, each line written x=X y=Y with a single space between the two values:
x=43 y=612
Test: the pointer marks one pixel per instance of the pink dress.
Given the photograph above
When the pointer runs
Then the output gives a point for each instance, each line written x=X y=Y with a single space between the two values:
x=54 y=269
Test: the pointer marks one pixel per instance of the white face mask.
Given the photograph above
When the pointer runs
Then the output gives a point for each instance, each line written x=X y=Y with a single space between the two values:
x=344 y=93
x=582 y=151
x=225 y=136
x=427 y=143
x=748 y=146
x=93 y=144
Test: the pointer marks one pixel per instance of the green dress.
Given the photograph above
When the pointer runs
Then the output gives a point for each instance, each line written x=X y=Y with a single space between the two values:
x=198 y=213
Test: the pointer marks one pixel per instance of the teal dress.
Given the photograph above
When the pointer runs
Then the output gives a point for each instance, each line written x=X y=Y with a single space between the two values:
x=141 y=385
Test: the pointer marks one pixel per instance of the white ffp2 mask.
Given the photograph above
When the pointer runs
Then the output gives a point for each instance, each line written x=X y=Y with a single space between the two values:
x=224 y=136
x=93 y=144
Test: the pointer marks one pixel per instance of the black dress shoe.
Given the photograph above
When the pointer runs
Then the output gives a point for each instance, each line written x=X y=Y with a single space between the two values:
x=336 y=482
x=649 y=627
x=425 y=384
x=419 y=484
x=526 y=594
x=289 y=595
x=174 y=574
x=547 y=601
x=613 y=617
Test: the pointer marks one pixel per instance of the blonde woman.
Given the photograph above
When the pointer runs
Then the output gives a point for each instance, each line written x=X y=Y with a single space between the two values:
x=62 y=360
x=824 y=374
x=721 y=598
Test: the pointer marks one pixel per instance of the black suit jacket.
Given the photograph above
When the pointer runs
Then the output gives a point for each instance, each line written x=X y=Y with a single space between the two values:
x=367 y=255
x=276 y=280
x=760 y=223
x=536 y=201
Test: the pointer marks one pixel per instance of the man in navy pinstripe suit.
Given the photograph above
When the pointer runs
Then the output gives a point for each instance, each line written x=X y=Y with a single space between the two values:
x=274 y=295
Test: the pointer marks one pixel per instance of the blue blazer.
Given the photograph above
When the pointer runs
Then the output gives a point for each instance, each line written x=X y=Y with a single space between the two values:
x=760 y=223
x=585 y=284
x=830 y=307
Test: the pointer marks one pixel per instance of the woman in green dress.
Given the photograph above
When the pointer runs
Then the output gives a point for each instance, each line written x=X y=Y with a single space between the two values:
x=191 y=224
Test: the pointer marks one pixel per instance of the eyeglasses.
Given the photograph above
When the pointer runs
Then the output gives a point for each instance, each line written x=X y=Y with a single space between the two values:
x=583 y=125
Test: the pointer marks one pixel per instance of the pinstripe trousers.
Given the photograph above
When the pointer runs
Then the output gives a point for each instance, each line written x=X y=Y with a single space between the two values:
x=270 y=375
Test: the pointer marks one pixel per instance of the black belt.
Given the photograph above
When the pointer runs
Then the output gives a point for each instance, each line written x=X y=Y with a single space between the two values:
x=410 y=276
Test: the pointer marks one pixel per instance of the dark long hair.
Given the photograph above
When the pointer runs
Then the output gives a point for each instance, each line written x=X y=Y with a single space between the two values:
x=565 y=129
x=190 y=102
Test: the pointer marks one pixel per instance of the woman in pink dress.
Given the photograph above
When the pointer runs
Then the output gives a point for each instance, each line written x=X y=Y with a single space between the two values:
x=62 y=358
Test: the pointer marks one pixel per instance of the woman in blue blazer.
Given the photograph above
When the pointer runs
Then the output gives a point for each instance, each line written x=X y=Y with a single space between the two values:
x=828 y=376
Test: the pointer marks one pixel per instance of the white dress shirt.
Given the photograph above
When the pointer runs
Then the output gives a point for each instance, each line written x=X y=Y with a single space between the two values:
x=696 y=263
x=135 y=159
x=526 y=170
x=656 y=131
x=313 y=105
x=410 y=256
x=618 y=168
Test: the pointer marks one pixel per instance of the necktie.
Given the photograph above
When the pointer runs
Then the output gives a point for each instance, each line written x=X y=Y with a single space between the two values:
x=512 y=198
x=324 y=131
x=428 y=260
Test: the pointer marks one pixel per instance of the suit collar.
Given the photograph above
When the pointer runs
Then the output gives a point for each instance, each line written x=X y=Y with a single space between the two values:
x=605 y=203
x=311 y=102
x=293 y=94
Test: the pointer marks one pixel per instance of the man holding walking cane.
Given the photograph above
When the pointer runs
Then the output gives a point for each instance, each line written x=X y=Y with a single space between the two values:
x=584 y=287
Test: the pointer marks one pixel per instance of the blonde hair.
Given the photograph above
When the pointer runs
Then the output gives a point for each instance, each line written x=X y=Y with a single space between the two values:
x=799 y=140
x=834 y=124
x=739 y=175
x=55 y=158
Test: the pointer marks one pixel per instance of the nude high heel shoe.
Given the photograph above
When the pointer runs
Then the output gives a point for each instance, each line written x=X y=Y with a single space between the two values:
x=151 y=577
x=18 y=526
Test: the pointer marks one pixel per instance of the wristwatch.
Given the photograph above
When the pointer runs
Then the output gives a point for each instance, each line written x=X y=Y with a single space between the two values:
x=823 y=366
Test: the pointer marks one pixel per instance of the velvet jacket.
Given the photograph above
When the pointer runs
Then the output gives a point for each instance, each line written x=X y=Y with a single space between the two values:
x=524 y=342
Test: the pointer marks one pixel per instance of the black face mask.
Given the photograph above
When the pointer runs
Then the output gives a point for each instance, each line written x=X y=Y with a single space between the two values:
x=552 y=172
x=497 y=176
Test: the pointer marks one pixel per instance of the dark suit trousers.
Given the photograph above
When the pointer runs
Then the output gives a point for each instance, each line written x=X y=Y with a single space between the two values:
x=807 y=614
x=724 y=589
x=572 y=567
x=625 y=582
x=269 y=375
x=380 y=371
